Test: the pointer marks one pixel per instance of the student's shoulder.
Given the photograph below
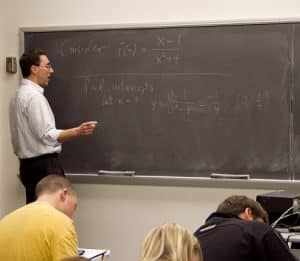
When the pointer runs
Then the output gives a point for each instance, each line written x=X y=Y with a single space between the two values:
x=45 y=210
x=256 y=227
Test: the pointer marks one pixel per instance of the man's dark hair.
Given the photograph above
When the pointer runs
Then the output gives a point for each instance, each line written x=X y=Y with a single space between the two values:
x=235 y=205
x=52 y=183
x=30 y=58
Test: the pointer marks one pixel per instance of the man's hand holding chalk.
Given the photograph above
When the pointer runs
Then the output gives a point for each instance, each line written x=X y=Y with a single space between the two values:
x=87 y=128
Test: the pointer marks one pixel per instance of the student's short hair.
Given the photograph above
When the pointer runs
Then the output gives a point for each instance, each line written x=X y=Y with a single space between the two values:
x=52 y=183
x=30 y=58
x=170 y=242
x=236 y=204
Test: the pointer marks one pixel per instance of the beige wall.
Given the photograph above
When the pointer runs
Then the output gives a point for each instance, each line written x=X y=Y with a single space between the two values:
x=10 y=190
x=118 y=217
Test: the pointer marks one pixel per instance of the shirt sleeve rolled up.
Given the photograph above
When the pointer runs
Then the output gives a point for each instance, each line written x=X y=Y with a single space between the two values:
x=41 y=121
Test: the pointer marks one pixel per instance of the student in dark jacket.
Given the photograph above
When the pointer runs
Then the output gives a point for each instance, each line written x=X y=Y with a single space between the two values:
x=238 y=230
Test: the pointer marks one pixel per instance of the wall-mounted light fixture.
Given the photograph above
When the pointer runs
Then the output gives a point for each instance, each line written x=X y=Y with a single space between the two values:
x=11 y=64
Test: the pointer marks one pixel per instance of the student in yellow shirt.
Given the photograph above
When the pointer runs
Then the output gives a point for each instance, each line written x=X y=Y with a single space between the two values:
x=42 y=230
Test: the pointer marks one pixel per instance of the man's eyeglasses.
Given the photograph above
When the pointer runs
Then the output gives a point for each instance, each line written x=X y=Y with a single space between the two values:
x=47 y=66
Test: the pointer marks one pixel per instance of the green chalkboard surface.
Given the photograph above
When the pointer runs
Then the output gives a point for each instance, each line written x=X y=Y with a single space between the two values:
x=176 y=101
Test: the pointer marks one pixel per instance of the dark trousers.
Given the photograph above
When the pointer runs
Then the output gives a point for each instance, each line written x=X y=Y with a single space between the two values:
x=32 y=170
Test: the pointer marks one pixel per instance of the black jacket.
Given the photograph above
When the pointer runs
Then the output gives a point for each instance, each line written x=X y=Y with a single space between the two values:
x=229 y=238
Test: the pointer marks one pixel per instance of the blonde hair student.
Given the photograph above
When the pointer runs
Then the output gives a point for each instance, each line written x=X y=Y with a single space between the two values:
x=170 y=242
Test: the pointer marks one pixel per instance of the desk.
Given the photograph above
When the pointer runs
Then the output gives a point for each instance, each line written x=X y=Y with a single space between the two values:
x=292 y=238
x=296 y=252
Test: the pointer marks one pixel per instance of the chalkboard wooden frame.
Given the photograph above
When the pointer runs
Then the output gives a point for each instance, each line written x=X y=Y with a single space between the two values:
x=130 y=180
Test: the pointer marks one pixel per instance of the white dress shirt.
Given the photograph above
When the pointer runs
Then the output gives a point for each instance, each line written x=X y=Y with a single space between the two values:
x=32 y=123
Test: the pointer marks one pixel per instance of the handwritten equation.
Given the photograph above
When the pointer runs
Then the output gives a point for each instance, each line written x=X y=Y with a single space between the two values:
x=111 y=92
x=165 y=50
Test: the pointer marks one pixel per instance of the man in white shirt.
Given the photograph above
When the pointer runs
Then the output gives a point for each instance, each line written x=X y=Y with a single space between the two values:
x=35 y=139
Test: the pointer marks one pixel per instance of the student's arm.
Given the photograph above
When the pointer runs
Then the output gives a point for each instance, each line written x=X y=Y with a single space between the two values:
x=66 y=245
x=274 y=248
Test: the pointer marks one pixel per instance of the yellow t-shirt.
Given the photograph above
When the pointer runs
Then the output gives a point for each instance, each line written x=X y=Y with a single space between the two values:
x=37 y=232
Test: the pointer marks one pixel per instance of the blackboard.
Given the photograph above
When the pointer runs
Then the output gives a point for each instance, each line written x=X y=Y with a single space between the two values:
x=178 y=101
